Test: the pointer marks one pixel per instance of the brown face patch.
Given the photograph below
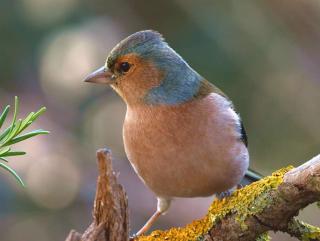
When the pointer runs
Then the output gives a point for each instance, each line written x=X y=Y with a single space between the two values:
x=134 y=84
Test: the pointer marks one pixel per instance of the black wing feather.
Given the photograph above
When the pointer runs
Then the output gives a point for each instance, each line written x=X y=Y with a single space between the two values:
x=243 y=133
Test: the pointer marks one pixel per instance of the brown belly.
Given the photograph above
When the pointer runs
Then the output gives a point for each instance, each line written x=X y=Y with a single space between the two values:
x=185 y=151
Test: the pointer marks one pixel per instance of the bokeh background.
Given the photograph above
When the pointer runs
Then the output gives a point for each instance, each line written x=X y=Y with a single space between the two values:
x=264 y=54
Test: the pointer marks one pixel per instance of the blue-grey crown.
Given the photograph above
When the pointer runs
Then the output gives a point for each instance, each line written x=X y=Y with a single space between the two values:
x=180 y=82
x=141 y=43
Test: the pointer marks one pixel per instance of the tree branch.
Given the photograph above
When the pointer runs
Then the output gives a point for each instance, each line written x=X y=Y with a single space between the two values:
x=269 y=204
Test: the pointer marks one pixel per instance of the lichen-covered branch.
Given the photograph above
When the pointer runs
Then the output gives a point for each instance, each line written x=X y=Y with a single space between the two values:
x=302 y=230
x=269 y=204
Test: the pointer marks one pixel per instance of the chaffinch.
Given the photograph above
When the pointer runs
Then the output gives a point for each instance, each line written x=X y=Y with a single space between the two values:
x=181 y=133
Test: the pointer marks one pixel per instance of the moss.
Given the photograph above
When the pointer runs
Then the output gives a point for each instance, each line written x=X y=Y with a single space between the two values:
x=243 y=202
x=264 y=237
x=307 y=232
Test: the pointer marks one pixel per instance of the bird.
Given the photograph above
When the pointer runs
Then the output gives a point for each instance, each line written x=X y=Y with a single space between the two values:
x=181 y=133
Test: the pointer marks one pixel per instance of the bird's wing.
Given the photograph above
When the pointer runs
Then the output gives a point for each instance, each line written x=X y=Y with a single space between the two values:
x=243 y=133
x=206 y=88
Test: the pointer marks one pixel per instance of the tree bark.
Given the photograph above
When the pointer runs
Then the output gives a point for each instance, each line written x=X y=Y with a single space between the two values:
x=110 y=210
x=269 y=204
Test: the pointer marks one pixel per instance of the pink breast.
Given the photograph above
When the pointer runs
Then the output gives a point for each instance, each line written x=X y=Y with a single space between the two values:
x=188 y=150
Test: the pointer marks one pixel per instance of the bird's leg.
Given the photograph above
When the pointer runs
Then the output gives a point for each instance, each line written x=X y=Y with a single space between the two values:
x=162 y=206
x=149 y=223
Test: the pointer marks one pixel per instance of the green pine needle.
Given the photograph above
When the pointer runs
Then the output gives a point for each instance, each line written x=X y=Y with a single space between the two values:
x=3 y=159
x=14 y=153
x=13 y=134
x=13 y=172
x=4 y=115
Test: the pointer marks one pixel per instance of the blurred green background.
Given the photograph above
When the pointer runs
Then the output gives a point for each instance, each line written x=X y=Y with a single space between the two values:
x=264 y=54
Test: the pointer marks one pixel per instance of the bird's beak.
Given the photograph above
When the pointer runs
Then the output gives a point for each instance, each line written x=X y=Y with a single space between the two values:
x=102 y=75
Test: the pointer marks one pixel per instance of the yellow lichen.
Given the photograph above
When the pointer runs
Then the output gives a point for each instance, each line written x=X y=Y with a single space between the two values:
x=306 y=231
x=243 y=202
x=264 y=237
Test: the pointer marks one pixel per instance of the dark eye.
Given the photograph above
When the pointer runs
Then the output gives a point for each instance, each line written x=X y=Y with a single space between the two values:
x=124 y=67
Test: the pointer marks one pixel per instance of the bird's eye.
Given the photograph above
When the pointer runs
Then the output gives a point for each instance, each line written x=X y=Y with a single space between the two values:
x=124 y=67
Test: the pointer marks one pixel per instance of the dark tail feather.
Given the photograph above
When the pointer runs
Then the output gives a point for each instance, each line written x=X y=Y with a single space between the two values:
x=250 y=177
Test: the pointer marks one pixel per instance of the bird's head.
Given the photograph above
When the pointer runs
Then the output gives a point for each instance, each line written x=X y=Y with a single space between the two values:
x=143 y=69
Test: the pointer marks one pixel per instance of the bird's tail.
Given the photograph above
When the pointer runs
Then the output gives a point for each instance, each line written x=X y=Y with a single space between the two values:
x=250 y=177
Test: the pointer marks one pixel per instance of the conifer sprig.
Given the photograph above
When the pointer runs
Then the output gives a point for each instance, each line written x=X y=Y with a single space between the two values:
x=13 y=134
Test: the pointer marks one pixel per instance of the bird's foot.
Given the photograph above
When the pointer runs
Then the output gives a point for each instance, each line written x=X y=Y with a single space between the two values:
x=227 y=193
x=222 y=195
x=133 y=237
